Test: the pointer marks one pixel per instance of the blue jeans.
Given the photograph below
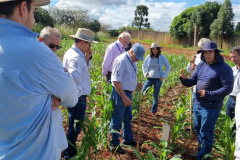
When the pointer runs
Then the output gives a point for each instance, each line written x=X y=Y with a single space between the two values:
x=157 y=85
x=75 y=113
x=121 y=114
x=204 y=123
x=230 y=107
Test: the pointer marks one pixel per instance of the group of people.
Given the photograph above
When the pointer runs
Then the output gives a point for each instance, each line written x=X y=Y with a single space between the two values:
x=34 y=82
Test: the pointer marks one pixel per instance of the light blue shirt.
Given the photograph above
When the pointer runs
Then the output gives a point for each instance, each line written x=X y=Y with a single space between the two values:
x=125 y=72
x=30 y=74
x=154 y=71
x=162 y=61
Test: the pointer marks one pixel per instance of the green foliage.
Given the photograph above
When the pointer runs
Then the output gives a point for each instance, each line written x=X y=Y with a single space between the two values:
x=103 y=36
x=113 y=32
x=94 y=26
x=180 y=23
x=237 y=30
x=222 y=27
x=140 y=18
x=203 y=16
x=43 y=17
x=37 y=27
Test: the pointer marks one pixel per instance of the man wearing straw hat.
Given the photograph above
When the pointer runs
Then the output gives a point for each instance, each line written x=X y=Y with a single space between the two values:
x=124 y=80
x=32 y=84
x=77 y=62
x=214 y=80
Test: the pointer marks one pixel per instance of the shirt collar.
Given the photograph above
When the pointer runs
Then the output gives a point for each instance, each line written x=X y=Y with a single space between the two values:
x=15 y=28
x=121 y=45
x=78 y=51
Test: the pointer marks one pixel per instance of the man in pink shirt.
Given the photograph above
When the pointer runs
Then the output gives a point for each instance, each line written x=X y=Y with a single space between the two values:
x=112 y=51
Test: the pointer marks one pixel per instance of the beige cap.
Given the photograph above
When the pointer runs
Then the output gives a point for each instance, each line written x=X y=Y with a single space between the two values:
x=37 y=2
x=84 y=34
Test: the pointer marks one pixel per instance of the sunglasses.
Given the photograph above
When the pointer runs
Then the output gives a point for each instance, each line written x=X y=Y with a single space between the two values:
x=52 y=46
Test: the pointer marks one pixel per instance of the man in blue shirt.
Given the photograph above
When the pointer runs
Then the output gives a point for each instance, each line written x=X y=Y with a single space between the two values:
x=32 y=84
x=124 y=80
x=214 y=80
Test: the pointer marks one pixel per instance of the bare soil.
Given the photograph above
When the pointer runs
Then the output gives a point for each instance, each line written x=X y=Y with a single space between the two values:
x=150 y=120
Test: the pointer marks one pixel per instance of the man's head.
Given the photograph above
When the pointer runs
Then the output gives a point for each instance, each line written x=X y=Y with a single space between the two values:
x=209 y=52
x=83 y=39
x=51 y=37
x=235 y=55
x=137 y=52
x=202 y=41
x=20 y=11
x=124 y=38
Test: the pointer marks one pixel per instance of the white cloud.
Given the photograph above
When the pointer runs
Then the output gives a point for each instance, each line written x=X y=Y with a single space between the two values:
x=236 y=12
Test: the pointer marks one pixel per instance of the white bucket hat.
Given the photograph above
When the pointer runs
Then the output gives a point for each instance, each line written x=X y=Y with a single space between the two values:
x=155 y=44
x=37 y=2
x=84 y=34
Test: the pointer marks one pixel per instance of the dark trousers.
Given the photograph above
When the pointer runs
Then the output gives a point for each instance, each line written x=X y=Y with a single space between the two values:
x=75 y=113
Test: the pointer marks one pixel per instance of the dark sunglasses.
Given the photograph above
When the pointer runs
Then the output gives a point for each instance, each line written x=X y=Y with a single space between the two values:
x=53 y=46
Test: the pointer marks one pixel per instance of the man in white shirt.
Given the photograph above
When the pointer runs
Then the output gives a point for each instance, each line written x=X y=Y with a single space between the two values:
x=77 y=62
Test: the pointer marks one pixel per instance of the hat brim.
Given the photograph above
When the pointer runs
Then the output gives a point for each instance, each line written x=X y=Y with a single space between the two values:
x=73 y=36
x=41 y=2
x=37 y=2
x=202 y=50
x=156 y=47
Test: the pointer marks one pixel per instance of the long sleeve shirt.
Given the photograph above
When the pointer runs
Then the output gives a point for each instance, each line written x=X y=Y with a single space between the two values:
x=112 y=51
x=75 y=62
x=30 y=74
x=236 y=85
x=162 y=61
x=216 y=79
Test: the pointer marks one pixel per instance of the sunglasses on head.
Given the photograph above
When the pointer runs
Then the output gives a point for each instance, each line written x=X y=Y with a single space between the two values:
x=53 y=46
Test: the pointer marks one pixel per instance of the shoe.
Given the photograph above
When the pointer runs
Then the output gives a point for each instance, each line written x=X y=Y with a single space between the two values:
x=118 y=149
x=133 y=143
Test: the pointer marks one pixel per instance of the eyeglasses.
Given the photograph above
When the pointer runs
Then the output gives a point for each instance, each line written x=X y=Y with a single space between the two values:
x=52 y=46
x=125 y=41
x=89 y=43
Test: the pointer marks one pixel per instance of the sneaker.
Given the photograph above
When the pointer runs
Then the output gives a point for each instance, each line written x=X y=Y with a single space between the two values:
x=133 y=143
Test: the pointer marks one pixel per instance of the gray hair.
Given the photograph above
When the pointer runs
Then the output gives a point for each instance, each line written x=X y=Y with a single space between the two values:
x=125 y=35
x=48 y=31
x=235 y=49
x=202 y=41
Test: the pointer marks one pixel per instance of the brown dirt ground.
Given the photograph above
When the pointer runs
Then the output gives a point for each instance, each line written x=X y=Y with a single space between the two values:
x=150 y=120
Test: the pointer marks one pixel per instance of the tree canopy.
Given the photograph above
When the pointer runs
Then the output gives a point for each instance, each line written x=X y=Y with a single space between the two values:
x=237 y=30
x=43 y=17
x=140 y=18
x=222 y=28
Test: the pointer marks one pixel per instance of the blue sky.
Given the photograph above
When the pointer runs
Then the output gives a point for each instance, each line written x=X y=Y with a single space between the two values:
x=118 y=13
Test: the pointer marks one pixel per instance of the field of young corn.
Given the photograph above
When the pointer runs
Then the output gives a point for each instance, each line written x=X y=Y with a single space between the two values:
x=174 y=109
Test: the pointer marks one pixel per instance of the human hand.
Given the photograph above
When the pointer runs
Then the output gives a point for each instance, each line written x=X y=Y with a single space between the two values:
x=55 y=103
x=140 y=86
x=202 y=93
x=147 y=76
x=161 y=79
x=88 y=54
x=182 y=75
x=126 y=101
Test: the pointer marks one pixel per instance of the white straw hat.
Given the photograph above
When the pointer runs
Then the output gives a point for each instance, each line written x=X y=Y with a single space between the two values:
x=37 y=2
x=84 y=34
x=155 y=44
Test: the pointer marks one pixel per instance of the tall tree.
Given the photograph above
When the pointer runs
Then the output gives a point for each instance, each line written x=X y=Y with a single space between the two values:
x=140 y=18
x=180 y=23
x=42 y=16
x=222 y=27
x=237 y=30
x=203 y=16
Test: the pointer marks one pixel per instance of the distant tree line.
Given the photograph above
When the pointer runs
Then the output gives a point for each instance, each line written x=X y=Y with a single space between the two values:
x=212 y=19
